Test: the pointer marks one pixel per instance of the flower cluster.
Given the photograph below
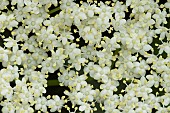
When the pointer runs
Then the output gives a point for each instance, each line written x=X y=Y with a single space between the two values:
x=112 y=56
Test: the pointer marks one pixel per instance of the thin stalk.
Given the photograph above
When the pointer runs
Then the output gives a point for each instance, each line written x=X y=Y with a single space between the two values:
x=52 y=83
x=54 y=10
x=56 y=82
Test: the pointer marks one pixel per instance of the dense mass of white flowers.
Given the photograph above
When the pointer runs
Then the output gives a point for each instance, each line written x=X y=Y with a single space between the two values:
x=129 y=53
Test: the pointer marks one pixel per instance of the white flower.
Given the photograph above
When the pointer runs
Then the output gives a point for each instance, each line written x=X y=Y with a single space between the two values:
x=90 y=13
x=153 y=101
x=77 y=62
x=48 y=65
x=55 y=104
x=31 y=6
x=89 y=93
x=128 y=2
x=54 y=2
x=67 y=4
x=165 y=100
x=110 y=44
x=21 y=34
x=24 y=108
x=160 y=17
x=8 y=107
x=111 y=103
x=81 y=15
x=104 y=11
x=72 y=50
x=59 y=58
x=115 y=74
x=85 y=107
x=11 y=43
x=17 y=58
x=22 y=15
x=142 y=107
x=20 y=3
x=153 y=80
x=3 y=17
x=162 y=109
x=108 y=88
x=164 y=47
x=88 y=52
x=41 y=104
x=49 y=42
x=65 y=37
x=30 y=44
x=66 y=78
x=34 y=76
x=167 y=5
x=64 y=19
x=37 y=89
x=4 y=54
x=33 y=22
x=89 y=33
x=89 y=68
x=147 y=47
x=119 y=24
x=104 y=58
x=75 y=97
x=39 y=55
x=3 y=4
x=25 y=97
x=112 y=49
x=5 y=89
x=11 y=22
x=119 y=10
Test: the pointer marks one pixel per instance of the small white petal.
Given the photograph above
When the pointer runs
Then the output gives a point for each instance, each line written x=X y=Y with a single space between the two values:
x=130 y=65
x=90 y=13
x=64 y=40
x=15 y=48
x=167 y=4
x=78 y=67
x=9 y=44
x=5 y=57
x=4 y=91
x=5 y=109
x=38 y=106
x=128 y=2
x=82 y=108
x=81 y=60
x=167 y=49
x=82 y=16
x=147 y=47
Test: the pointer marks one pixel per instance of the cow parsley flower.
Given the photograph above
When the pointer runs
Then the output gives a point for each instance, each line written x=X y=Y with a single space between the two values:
x=41 y=104
x=55 y=104
x=67 y=4
x=31 y=6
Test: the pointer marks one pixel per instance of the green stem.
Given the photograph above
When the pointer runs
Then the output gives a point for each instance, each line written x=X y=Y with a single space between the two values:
x=52 y=82
x=56 y=82
x=54 y=10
